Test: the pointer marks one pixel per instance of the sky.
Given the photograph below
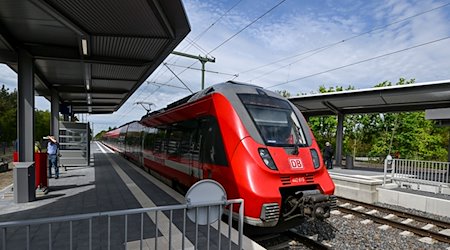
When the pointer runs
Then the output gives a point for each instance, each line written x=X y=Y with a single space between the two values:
x=294 y=45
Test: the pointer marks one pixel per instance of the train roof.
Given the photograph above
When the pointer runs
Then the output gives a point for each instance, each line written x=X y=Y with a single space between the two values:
x=229 y=87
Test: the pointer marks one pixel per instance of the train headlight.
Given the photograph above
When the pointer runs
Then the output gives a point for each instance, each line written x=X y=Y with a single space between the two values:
x=315 y=158
x=267 y=159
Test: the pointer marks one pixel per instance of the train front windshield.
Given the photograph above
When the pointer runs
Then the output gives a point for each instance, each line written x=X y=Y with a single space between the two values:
x=276 y=121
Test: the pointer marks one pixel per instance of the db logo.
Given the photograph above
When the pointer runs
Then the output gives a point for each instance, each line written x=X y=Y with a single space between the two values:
x=296 y=163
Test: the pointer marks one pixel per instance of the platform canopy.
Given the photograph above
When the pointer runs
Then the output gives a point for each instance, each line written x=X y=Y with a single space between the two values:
x=399 y=98
x=94 y=53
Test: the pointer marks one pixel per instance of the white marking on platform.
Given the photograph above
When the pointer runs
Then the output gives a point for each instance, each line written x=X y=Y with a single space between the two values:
x=427 y=240
x=145 y=201
x=345 y=205
x=428 y=226
x=406 y=233
x=445 y=232
x=335 y=212
x=348 y=216
x=407 y=221
x=247 y=243
x=365 y=222
x=372 y=212
x=389 y=216
x=358 y=208
x=384 y=227
x=149 y=244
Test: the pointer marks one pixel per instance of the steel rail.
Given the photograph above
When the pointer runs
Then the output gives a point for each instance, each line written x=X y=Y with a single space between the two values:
x=401 y=214
x=267 y=241
x=314 y=244
x=399 y=225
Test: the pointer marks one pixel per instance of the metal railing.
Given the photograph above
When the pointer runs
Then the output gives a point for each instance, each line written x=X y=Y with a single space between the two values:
x=417 y=172
x=128 y=229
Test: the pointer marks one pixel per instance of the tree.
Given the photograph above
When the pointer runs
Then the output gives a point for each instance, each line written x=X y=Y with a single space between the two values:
x=407 y=134
x=41 y=124
x=8 y=115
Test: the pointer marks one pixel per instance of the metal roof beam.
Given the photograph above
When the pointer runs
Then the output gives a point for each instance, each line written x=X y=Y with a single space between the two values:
x=160 y=11
x=43 y=5
x=7 y=56
x=69 y=54
x=333 y=108
x=96 y=60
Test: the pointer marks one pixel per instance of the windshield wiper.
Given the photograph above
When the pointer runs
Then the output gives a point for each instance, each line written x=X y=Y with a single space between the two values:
x=295 y=151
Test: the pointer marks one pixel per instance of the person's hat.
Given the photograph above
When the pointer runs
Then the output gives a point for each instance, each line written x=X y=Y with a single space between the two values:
x=327 y=144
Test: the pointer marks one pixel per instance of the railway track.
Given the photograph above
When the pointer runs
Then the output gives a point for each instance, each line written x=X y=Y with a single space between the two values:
x=419 y=225
x=290 y=239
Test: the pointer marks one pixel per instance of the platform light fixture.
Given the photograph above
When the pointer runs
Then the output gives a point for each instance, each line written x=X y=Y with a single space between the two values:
x=89 y=99
x=84 y=46
x=89 y=109
x=88 y=85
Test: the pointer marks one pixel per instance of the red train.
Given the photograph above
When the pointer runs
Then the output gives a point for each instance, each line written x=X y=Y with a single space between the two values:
x=255 y=143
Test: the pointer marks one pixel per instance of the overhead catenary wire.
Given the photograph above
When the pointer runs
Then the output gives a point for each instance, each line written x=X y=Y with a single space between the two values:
x=227 y=40
x=231 y=37
x=216 y=21
x=245 y=27
x=290 y=64
x=362 y=61
x=193 y=41
x=167 y=85
x=209 y=71
x=325 y=47
x=165 y=64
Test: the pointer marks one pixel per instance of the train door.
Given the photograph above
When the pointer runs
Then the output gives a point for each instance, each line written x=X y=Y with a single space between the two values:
x=141 y=146
x=212 y=153
x=195 y=145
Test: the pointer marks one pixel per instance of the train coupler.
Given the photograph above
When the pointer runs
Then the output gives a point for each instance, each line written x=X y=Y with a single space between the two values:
x=309 y=203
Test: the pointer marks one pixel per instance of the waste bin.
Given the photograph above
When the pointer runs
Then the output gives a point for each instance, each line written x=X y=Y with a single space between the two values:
x=40 y=164
x=349 y=161
x=24 y=190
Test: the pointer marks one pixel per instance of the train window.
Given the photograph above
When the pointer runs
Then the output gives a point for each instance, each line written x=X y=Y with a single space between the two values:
x=180 y=138
x=159 y=140
x=275 y=120
x=212 y=150
x=149 y=138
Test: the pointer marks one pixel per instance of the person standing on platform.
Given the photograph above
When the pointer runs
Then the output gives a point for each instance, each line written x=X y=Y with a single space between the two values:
x=328 y=155
x=37 y=147
x=52 y=151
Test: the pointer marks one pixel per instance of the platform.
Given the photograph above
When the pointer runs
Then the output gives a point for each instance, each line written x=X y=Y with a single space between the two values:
x=111 y=183
x=366 y=185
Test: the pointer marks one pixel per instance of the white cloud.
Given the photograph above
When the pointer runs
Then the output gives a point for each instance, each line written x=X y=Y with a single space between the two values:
x=299 y=26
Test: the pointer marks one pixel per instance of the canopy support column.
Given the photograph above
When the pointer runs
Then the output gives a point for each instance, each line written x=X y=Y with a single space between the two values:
x=25 y=107
x=339 y=139
x=54 y=124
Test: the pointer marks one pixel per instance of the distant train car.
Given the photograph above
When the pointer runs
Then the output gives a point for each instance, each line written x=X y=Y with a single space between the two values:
x=255 y=143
